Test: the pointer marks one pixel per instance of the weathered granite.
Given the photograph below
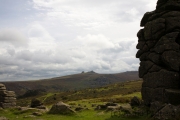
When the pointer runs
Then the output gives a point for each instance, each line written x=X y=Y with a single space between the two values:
x=7 y=98
x=159 y=53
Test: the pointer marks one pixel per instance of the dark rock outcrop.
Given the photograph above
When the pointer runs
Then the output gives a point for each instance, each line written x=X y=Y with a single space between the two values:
x=159 y=53
x=7 y=98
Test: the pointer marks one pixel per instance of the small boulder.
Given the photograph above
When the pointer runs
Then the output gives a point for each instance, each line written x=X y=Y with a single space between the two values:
x=127 y=109
x=135 y=101
x=37 y=113
x=105 y=106
x=101 y=107
x=35 y=103
x=61 y=108
x=93 y=105
x=79 y=109
x=111 y=104
x=112 y=108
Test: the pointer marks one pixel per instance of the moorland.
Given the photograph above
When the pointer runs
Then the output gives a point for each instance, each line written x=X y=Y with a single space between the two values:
x=114 y=90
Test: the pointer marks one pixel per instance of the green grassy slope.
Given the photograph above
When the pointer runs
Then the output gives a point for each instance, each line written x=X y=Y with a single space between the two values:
x=71 y=82
x=120 y=93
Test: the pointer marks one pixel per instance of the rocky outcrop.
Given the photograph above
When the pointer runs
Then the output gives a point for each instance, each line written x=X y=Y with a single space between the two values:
x=61 y=108
x=7 y=98
x=159 y=53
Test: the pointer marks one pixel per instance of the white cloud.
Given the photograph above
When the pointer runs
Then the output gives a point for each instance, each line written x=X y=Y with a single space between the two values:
x=94 y=41
x=40 y=38
x=69 y=36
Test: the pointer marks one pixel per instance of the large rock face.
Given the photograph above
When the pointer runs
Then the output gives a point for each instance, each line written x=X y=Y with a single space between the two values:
x=7 y=98
x=159 y=53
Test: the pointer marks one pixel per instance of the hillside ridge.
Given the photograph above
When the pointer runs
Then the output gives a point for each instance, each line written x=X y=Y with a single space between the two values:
x=71 y=82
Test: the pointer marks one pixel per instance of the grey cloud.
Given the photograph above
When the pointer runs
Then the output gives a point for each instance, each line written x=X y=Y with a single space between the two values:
x=130 y=60
x=11 y=51
x=24 y=55
x=67 y=37
x=43 y=57
x=122 y=46
x=14 y=37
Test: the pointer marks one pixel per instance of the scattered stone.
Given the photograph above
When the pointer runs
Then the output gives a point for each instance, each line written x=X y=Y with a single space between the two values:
x=93 y=105
x=127 y=109
x=105 y=106
x=61 y=108
x=79 y=109
x=112 y=108
x=42 y=107
x=25 y=108
x=101 y=107
x=111 y=104
x=37 y=113
x=3 y=118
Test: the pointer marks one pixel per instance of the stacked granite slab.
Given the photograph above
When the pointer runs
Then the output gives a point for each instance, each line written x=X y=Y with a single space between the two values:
x=159 y=53
x=7 y=98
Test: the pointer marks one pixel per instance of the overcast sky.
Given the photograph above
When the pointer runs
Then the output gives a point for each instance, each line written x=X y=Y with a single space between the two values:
x=50 y=38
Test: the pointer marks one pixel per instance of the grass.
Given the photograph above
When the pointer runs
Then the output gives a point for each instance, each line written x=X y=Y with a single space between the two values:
x=106 y=94
x=120 y=93
x=11 y=114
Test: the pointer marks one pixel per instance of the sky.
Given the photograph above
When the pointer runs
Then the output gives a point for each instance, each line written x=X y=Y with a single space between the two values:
x=50 y=38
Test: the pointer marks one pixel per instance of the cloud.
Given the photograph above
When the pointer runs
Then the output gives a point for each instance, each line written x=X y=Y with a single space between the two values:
x=93 y=14
x=14 y=37
x=59 y=37
x=85 y=53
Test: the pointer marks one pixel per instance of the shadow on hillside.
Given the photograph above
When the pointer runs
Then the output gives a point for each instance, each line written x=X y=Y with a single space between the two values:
x=126 y=118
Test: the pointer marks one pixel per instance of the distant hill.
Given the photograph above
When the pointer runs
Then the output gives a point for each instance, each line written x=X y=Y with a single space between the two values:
x=71 y=82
